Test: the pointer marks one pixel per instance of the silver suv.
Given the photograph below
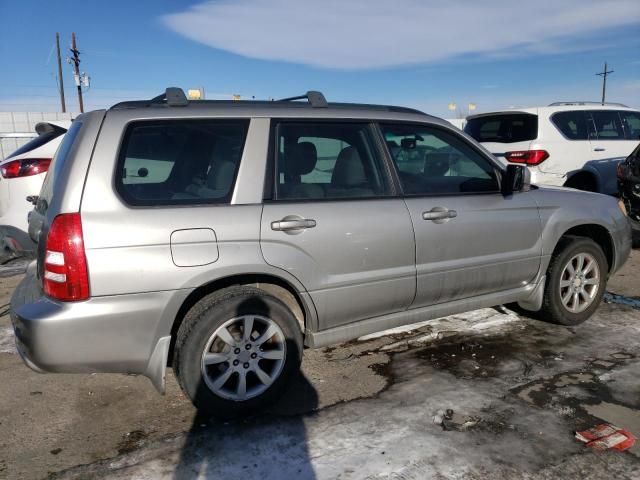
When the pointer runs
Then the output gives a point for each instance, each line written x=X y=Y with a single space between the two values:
x=221 y=238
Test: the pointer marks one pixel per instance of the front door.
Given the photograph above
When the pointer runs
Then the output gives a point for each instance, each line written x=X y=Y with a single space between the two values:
x=470 y=239
x=335 y=223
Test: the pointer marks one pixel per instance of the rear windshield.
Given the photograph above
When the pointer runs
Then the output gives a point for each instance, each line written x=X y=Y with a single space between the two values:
x=503 y=128
x=38 y=141
x=58 y=162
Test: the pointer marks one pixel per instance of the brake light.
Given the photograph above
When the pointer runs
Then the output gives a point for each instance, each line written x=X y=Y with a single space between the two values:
x=65 y=265
x=25 y=167
x=529 y=157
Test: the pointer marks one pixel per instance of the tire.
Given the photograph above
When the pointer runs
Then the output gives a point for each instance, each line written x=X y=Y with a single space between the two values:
x=554 y=310
x=204 y=326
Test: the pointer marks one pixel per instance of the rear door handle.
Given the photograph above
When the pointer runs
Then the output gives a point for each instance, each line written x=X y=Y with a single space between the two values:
x=599 y=149
x=439 y=214
x=288 y=224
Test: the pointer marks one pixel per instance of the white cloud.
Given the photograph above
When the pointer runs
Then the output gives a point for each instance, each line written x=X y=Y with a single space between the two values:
x=361 y=34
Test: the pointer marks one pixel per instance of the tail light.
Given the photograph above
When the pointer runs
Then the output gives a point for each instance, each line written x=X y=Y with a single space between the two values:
x=529 y=157
x=621 y=170
x=65 y=265
x=25 y=167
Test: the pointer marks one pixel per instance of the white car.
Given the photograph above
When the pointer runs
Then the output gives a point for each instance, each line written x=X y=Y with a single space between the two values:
x=572 y=144
x=21 y=175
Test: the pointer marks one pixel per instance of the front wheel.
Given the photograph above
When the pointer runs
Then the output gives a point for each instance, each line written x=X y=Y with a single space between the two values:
x=236 y=351
x=576 y=280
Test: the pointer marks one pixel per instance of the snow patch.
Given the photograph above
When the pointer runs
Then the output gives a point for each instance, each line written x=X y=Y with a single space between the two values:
x=7 y=340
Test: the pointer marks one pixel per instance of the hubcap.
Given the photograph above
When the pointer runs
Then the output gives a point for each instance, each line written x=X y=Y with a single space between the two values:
x=243 y=357
x=579 y=282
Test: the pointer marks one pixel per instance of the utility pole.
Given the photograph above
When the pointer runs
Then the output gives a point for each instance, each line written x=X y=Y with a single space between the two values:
x=76 y=69
x=604 y=74
x=61 y=84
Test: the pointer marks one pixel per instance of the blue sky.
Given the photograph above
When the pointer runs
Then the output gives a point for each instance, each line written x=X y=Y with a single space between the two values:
x=424 y=54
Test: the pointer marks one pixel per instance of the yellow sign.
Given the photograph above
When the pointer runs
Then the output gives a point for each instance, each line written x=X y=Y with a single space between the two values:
x=452 y=106
x=195 y=94
x=235 y=97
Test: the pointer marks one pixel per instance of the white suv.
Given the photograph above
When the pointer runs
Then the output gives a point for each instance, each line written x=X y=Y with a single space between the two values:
x=573 y=144
x=21 y=175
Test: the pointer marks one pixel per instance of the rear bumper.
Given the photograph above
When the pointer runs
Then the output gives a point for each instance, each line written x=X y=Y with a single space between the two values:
x=119 y=334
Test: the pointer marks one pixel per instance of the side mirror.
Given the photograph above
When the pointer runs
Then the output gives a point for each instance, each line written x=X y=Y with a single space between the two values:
x=516 y=178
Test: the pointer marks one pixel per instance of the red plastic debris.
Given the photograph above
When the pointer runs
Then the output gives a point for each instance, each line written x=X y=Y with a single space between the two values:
x=606 y=436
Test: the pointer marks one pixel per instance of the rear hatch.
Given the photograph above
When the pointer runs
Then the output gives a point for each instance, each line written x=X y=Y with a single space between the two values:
x=504 y=132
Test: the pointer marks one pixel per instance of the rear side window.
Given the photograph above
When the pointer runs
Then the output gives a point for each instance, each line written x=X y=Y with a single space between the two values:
x=631 y=124
x=180 y=162
x=608 y=125
x=328 y=161
x=573 y=125
x=503 y=128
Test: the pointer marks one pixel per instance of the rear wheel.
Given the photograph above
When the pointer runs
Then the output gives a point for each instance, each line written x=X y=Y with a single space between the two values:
x=576 y=280
x=236 y=351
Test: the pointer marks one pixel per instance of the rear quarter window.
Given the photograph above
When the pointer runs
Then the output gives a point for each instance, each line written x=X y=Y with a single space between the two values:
x=180 y=162
x=503 y=128
x=573 y=125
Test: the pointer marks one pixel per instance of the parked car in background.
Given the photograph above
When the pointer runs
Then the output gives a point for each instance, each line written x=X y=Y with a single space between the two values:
x=629 y=185
x=220 y=237
x=571 y=144
x=21 y=175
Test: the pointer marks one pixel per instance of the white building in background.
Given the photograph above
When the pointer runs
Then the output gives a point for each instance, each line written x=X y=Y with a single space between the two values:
x=17 y=128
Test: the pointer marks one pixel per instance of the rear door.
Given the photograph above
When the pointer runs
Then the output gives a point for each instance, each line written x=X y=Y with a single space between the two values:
x=609 y=145
x=470 y=239
x=334 y=222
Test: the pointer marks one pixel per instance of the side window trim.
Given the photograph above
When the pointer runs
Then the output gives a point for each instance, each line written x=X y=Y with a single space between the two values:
x=272 y=175
x=493 y=162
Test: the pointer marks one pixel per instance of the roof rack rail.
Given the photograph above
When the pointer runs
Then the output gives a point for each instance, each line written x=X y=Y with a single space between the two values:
x=316 y=99
x=172 y=97
x=559 y=104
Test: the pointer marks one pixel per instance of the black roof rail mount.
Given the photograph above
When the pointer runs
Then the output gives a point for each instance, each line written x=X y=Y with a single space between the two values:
x=173 y=97
x=316 y=99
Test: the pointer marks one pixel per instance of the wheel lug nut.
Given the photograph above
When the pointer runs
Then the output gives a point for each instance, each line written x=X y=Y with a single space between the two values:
x=254 y=355
x=246 y=365
x=235 y=363
x=236 y=351
x=248 y=346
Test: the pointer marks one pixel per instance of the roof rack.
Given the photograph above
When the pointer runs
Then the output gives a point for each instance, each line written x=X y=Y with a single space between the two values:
x=316 y=99
x=559 y=104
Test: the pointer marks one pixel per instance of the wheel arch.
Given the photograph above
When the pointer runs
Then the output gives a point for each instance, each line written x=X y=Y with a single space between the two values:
x=595 y=232
x=583 y=177
x=269 y=283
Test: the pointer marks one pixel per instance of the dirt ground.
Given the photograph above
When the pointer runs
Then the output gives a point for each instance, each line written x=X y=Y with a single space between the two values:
x=489 y=394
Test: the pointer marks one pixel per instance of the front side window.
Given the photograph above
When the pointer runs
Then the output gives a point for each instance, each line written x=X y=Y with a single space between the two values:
x=607 y=125
x=180 y=161
x=431 y=161
x=631 y=124
x=573 y=125
x=328 y=161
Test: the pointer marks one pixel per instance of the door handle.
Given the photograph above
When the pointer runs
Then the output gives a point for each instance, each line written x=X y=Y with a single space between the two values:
x=439 y=214
x=599 y=149
x=287 y=224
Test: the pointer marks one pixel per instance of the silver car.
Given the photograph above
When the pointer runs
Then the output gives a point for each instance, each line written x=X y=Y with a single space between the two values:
x=222 y=238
